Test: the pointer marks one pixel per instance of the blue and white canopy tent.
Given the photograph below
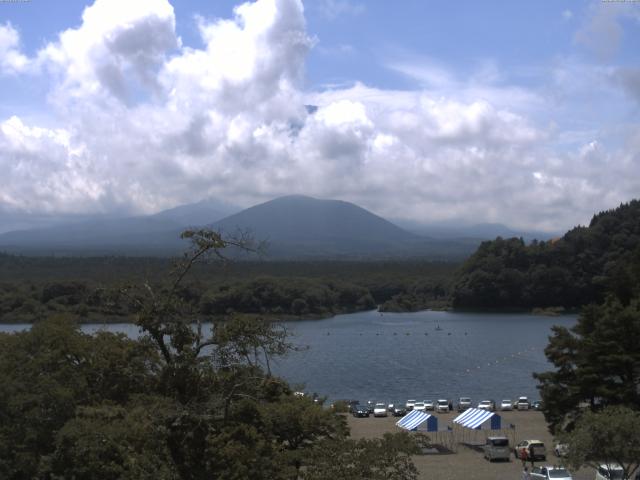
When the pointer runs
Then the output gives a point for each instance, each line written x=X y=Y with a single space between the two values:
x=475 y=419
x=416 y=420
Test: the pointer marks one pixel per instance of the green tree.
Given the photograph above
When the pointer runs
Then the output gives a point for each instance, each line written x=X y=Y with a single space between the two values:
x=596 y=362
x=185 y=401
x=387 y=458
x=610 y=436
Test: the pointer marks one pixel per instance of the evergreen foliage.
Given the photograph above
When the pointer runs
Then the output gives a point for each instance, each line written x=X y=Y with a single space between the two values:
x=575 y=270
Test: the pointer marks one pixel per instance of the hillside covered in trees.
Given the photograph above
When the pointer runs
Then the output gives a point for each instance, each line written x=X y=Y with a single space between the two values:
x=569 y=272
x=32 y=288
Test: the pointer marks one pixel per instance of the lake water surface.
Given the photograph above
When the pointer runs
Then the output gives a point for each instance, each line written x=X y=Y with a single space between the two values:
x=422 y=355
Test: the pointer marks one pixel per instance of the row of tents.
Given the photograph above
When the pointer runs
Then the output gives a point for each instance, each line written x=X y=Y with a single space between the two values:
x=472 y=418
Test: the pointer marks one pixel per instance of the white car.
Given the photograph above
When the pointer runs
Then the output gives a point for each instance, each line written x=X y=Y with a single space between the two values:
x=409 y=405
x=487 y=405
x=522 y=403
x=380 y=410
x=550 y=473
x=506 y=405
x=419 y=406
x=610 y=472
x=442 y=406
x=429 y=405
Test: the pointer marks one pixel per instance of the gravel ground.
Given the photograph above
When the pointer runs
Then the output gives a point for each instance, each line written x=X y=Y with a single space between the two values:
x=467 y=462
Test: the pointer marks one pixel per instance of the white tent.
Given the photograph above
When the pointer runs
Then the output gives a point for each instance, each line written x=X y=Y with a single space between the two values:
x=417 y=420
x=474 y=418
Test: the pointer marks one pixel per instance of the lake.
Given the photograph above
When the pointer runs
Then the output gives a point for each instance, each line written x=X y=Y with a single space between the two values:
x=422 y=355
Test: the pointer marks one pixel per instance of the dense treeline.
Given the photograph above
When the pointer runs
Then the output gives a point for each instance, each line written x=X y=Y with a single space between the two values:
x=34 y=287
x=591 y=397
x=572 y=271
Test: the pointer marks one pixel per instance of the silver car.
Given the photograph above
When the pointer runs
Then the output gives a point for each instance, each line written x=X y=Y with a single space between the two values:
x=442 y=406
x=506 y=405
x=550 y=473
x=380 y=410
x=497 y=448
x=419 y=406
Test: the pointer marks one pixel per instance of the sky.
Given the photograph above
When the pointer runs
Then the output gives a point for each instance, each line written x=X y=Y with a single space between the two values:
x=522 y=113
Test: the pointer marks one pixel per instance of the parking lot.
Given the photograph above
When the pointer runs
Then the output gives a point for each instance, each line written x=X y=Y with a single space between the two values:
x=467 y=462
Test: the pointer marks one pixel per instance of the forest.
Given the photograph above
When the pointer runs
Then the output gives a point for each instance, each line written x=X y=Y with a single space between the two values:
x=90 y=288
x=561 y=274
x=569 y=272
x=178 y=403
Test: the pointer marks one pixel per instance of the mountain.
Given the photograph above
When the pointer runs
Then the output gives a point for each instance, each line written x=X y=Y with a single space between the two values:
x=204 y=212
x=294 y=227
x=298 y=226
x=156 y=234
x=480 y=231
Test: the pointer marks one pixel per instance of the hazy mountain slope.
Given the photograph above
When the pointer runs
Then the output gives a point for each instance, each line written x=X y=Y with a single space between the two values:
x=151 y=235
x=303 y=227
x=295 y=222
x=204 y=212
x=480 y=231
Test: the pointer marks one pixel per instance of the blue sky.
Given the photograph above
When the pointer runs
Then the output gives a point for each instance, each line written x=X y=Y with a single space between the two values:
x=525 y=113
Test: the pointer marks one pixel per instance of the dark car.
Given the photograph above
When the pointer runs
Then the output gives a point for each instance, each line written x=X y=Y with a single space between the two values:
x=537 y=405
x=399 y=411
x=360 y=411
x=352 y=405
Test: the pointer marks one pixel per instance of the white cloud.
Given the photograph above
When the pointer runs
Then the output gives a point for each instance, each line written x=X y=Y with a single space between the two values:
x=146 y=123
x=11 y=59
x=567 y=14
x=117 y=50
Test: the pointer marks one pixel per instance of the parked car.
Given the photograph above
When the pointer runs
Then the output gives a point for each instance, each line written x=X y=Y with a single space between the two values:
x=429 y=405
x=537 y=405
x=390 y=407
x=352 y=404
x=532 y=448
x=609 y=472
x=419 y=406
x=497 y=448
x=380 y=410
x=506 y=405
x=360 y=411
x=464 y=403
x=488 y=405
x=409 y=405
x=442 y=406
x=370 y=406
x=399 y=411
x=561 y=449
x=550 y=473
x=522 y=403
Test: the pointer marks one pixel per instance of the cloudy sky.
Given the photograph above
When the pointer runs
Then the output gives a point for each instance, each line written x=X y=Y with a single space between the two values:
x=525 y=113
